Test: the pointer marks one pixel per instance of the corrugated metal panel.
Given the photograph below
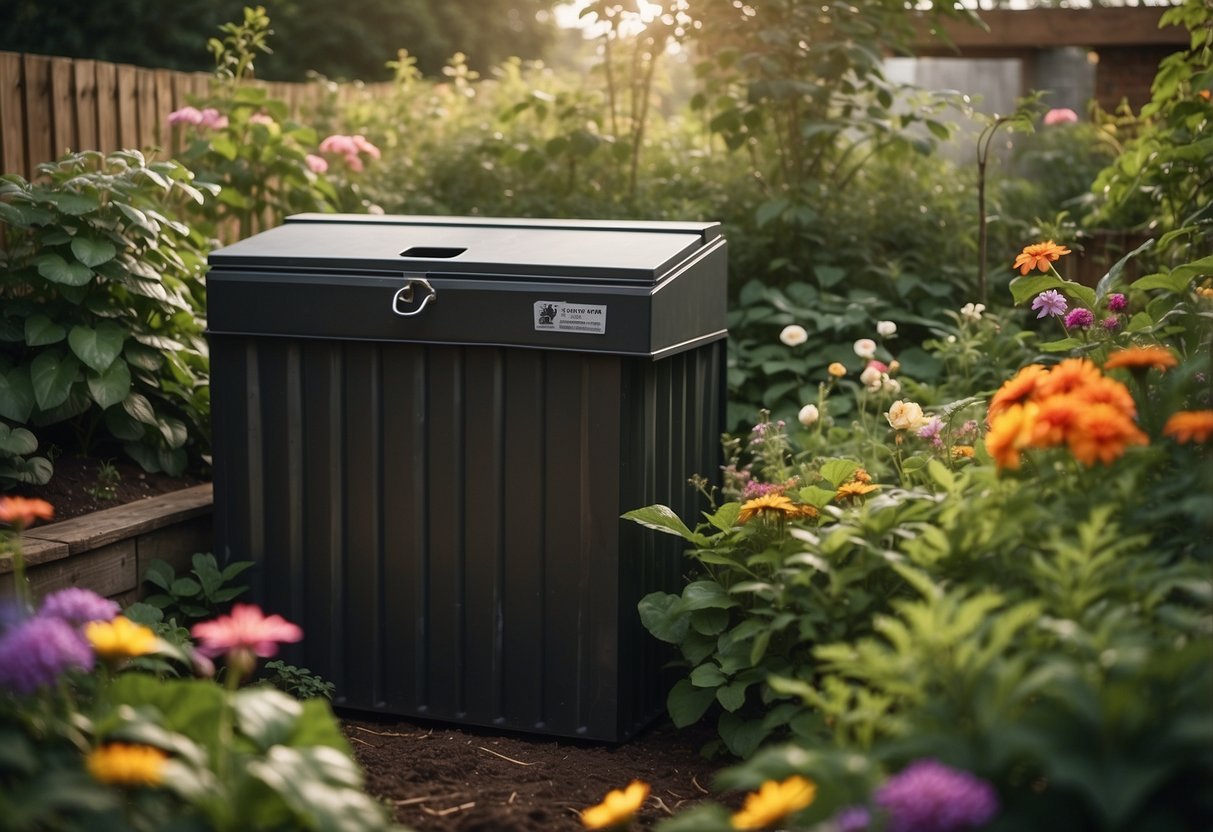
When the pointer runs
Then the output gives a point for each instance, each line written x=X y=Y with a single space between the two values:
x=444 y=521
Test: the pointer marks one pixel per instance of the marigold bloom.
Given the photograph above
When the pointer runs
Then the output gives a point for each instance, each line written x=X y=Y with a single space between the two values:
x=246 y=628
x=120 y=764
x=776 y=504
x=836 y=369
x=1066 y=377
x=861 y=475
x=1102 y=434
x=22 y=512
x=1190 y=426
x=120 y=638
x=1039 y=256
x=1141 y=358
x=617 y=807
x=1109 y=391
x=1017 y=389
x=1010 y=433
x=774 y=801
x=806 y=512
x=854 y=489
x=928 y=796
x=1056 y=418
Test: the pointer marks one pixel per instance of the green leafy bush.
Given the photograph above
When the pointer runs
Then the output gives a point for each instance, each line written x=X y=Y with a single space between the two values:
x=186 y=599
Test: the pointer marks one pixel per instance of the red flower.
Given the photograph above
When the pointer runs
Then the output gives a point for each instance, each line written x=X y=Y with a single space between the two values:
x=247 y=629
x=22 y=512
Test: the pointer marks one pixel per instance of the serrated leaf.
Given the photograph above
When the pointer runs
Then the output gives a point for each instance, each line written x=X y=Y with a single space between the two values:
x=41 y=330
x=816 y=496
x=57 y=270
x=97 y=347
x=111 y=386
x=92 y=251
x=51 y=376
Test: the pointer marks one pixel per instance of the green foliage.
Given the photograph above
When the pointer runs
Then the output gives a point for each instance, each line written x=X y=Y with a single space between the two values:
x=101 y=326
x=299 y=682
x=185 y=599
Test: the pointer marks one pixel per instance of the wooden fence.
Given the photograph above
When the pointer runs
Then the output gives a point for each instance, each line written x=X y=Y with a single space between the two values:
x=49 y=106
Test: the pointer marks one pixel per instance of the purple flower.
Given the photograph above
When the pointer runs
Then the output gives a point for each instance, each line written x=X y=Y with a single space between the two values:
x=36 y=652
x=1117 y=302
x=1111 y=323
x=928 y=796
x=852 y=819
x=758 y=489
x=78 y=606
x=1051 y=303
x=1080 y=318
x=931 y=430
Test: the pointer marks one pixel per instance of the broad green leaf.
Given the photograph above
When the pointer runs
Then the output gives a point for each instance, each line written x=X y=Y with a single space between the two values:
x=140 y=409
x=732 y=696
x=1024 y=288
x=16 y=394
x=700 y=595
x=97 y=347
x=57 y=270
x=687 y=703
x=838 y=471
x=1178 y=279
x=111 y=386
x=172 y=461
x=741 y=736
x=1062 y=345
x=710 y=622
x=121 y=426
x=41 y=330
x=69 y=203
x=266 y=716
x=816 y=496
x=92 y=251
x=34 y=470
x=52 y=375
x=1109 y=280
x=185 y=588
x=663 y=519
x=940 y=473
x=159 y=574
x=174 y=431
x=17 y=441
x=663 y=615
x=708 y=676
x=725 y=517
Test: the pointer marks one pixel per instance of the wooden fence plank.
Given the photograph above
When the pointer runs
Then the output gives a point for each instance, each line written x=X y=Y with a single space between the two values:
x=128 y=111
x=39 y=110
x=85 y=77
x=145 y=107
x=164 y=105
x=12 y=115
x=107 y=107
x=62 y=100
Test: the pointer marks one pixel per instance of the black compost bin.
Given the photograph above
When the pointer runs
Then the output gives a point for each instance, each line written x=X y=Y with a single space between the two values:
x=425 y=432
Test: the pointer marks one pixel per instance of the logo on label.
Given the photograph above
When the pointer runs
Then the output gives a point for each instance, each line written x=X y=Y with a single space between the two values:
x=561 y=316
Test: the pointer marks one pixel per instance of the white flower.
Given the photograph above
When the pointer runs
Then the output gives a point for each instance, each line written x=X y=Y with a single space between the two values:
x=890 y=385
x=871 y=378
x=886 y=328
x=865 y=348
x=808 y=415
x=972 y=311
x=906 y=415
x=793 y=335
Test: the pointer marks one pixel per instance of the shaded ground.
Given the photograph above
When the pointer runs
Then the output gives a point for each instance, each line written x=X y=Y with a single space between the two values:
x=83 y=485
x=441 y=778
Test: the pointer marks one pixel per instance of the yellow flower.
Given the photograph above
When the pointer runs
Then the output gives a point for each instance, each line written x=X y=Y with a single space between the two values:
x=768 y=503
x=775 y=801
x=617 y=807
x=1039 y=256
x=120 y=764
x=1010 y=433
x=1190 y=426
x=120 y=638
x=836 y=370
x=854 y=489
x=965 y=451
x=1141 y=358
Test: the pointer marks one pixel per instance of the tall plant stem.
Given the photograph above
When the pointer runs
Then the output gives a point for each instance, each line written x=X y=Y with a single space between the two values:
x=983 y=154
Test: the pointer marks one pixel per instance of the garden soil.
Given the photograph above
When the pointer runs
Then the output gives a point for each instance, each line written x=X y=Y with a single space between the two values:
x=442 y=778
x=83 y=485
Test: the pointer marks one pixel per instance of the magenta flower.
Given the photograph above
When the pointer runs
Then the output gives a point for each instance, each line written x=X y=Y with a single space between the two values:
x=1111 y=323
x=928 y=796
x=1061 y=115
x=77 y=606
x=246 y=629
x=1117 y=302
x=1050 y=303
x=37 y=651
x=1079 y=318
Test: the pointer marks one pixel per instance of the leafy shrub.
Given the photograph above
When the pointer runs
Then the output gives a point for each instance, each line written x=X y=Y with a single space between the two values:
x=187 y=599
x=101 y=327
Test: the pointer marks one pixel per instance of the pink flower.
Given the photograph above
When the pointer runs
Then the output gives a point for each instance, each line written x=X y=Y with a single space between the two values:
x=342 y=145
x=212 y=119
x=1063 y=115
x=246 y=629
x=261 y=118
x=366 y=147
x=879 y=365
x=317 y=164
x=186 y=115
x=354 y=162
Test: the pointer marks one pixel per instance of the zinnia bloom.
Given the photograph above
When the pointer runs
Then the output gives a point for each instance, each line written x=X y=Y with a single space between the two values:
x=1190 y=426
x=1141 y=358
x=78 y=606
x=247 y=628
x=1010 y=433
x=1079 y=318
x=1051 y=303
x=928 y=796
x=1109 y=391
x=1102 y=433
x=22 y=512
x=37 y=651
x=120 y=638
x=617 y=807
x=836 y=369
x=1056 y=419
x=775 y=504
x=1017 y=389
x=774 y=801
x=1039 y=256
x=119 y=764
x=793 y=335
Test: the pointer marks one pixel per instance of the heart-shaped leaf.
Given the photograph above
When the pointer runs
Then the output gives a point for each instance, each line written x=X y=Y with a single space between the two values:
x=92 y=251
x=110 y=386
x=16 y=394
x=52 y=375
x=97 y=347
x=41 y=330
x=17 y=442
x=57 y=270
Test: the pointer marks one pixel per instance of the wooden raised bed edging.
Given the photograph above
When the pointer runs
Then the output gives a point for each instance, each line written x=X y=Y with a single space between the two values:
x=108 y=551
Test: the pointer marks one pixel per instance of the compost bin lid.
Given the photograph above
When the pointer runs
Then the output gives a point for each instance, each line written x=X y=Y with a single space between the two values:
x=576 y=250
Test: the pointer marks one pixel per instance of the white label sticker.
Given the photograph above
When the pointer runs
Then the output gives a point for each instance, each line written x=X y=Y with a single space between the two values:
x=562 y=316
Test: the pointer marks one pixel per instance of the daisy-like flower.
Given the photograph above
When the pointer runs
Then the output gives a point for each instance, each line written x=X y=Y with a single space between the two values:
x=120 y=764
x=928 y=796
x=865 y=348
x=972 y=311
x=1018 y=388
x=1079 y=318
x=774 y=801
x=1141 y=358
x=1102 y=434
x=617 y=808
x=1190 y=426
x=120 y=638
x=1039 y=256
x=21 y=512
x=247 y=628
x=853 y=489
x=776 y=505
x=793 y=335
x=836 y=369
x=77 y=606
x=1066 y=377
x=1010 y=433
x=1051 y=303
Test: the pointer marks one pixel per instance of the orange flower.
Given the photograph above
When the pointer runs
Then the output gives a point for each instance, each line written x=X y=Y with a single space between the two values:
x=1190 y=426
x=806 y=512
x=1056 y=419
x=1010 y=433
x=854 y=489
x=22 y=512
x=773 y=503
x=1018 y=389
x=1039 y=256
x=1068 y=376
x=962 y=451
x=1109 y=391
x=1102 y=433
x=861 y=475
x=617 y=808
x=1141 y=358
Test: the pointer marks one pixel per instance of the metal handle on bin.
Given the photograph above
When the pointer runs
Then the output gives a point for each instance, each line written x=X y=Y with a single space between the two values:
x=405 y=293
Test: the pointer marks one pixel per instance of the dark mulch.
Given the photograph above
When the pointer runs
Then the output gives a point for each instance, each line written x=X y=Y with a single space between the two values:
x=442 y=778
x=82 y=485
